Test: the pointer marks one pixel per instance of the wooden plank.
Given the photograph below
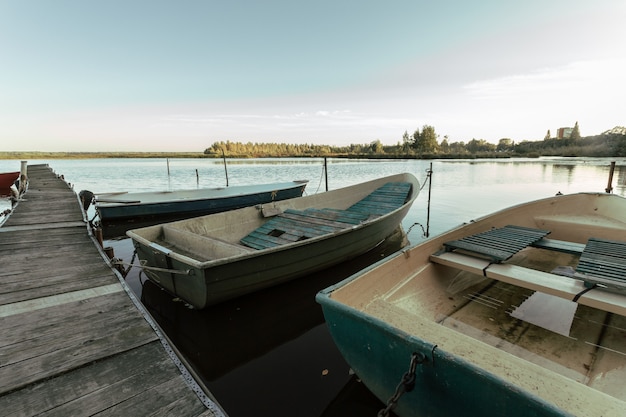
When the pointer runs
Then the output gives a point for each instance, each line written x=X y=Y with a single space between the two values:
x=498 y=244
x=70 y=357
x=170 y=398
x=312 y=219
x=548 y=283
x=40 y=321
x=343 y=216
x=108 y=382
x=38 y=290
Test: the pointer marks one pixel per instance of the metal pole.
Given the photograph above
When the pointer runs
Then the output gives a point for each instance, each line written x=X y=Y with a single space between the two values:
x=430 y=183
x=609 y=187
x=225 y=169
x=326 y=172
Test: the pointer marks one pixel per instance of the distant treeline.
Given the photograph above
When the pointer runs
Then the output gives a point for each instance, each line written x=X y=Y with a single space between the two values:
x=422 y=144
x=605 y=145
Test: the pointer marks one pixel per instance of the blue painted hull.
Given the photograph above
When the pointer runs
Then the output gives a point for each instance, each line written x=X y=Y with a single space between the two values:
x=178 y=209
x=445 y=385
x=117 y=218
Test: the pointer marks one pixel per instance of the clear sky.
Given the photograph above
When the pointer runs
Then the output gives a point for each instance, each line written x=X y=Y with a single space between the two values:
x=153 y=75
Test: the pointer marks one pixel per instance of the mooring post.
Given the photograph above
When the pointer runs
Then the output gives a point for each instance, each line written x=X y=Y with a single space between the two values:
x=326 y=172
x=23 y=177
x=609 y=187
x=430 y=183
x=168 y=166
x=98 y=233
x=225 y=169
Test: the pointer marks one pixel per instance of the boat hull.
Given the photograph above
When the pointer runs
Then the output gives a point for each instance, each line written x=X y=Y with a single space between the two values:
x=489 y=348
x=445 y=384
x=204 y=282
x=6 y=181
x=116 y=218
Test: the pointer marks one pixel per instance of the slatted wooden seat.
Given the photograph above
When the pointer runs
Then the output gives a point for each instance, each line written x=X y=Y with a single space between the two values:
x=557 y=285
x=603 y=263
x=296 y=225
x=498 y=244
x=383 y=200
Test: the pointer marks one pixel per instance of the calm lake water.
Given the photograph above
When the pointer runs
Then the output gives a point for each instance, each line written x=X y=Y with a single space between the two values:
x=269 y=353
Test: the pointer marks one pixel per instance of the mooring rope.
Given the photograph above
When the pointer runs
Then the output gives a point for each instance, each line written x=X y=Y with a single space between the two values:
x=143 y=266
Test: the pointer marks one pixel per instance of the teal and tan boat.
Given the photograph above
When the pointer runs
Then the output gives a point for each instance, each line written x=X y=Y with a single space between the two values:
x=519 y=313
x=209 y=259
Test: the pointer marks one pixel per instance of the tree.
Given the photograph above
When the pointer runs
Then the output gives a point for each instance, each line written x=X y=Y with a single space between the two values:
x=416 y=138
x=406 y=141
x=505 y=144
x=548 y=136
x=427 y=140
x=575 y=132
x=480 y=145
x=444 y=145
x=377 y=146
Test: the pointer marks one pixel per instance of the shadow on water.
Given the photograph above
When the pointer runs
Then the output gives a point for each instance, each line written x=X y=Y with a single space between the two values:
x=266 y=353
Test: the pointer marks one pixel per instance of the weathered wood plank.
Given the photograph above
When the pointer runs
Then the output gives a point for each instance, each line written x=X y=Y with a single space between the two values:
x=14 y=329
x=170 y=400
x=36 y=345
x=63 y=360
x=102 y=384
x=35 y=290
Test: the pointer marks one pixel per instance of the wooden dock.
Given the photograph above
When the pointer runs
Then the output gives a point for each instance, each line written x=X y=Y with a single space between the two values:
x=74 y=340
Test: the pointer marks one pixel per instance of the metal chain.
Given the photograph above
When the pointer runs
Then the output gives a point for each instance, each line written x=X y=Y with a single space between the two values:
x=407 y=383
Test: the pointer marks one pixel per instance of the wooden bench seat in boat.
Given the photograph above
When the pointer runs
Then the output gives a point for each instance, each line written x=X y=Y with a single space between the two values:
x=384 y=199
x=603 y=263
x=498 y=244
x=297 y=225
x=291 y=226
x=558 y=285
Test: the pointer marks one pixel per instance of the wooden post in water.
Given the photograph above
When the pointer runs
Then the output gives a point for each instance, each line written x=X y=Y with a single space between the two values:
x=326 y=172
x=197 y=178
x=225 y=169
x=430 y=182
x=23 y=177
x=168 y=166
x=609 y=187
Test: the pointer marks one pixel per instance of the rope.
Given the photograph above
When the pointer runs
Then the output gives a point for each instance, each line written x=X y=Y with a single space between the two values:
x=143 y=266
x=416 y=224
x=321 y=178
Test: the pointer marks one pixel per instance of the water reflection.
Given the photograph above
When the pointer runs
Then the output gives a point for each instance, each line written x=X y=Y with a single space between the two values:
x=266 y=353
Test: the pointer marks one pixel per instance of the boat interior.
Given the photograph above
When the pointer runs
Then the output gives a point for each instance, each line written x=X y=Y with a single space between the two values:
x=554 y=309
x=197 y=241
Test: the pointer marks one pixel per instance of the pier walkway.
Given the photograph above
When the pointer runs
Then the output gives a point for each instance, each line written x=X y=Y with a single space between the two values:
x=73 y=338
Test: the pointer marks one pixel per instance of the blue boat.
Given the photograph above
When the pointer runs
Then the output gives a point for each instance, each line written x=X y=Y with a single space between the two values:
x=142 y=209
x=519 y=313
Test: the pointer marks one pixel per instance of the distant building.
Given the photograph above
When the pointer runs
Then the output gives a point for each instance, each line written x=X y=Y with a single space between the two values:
x=564 y=132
